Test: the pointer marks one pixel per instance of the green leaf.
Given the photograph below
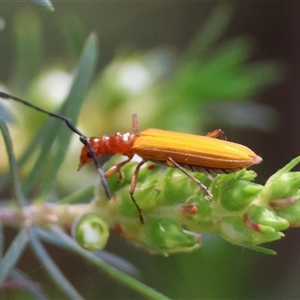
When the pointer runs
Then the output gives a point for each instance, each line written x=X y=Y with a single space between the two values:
x=52 y=268
x=13 y=254
x=13 y=164
x=28 y=29
x=211 y=32
x=54 y=130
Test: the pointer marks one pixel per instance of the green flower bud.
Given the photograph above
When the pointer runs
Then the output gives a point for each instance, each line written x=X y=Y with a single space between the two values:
x=282 y=184
x=235 y=191
x=280 y=187
x=146 y=196
x=265 y=219
x=165 y=235
x=202 y=220
x=234 y=230
x=176 y=187
x=291 y=212
x=91 y=232
x=239 y=195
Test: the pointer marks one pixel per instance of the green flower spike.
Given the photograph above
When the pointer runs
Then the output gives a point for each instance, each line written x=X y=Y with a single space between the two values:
x=176 y=211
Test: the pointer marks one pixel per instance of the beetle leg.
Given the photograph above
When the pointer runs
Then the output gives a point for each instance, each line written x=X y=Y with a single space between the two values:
x=216 y=133
x=172 y=163
x=117 y=168
x=134 y=181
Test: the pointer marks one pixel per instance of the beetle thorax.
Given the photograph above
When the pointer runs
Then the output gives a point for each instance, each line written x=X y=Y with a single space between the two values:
x=119 y=143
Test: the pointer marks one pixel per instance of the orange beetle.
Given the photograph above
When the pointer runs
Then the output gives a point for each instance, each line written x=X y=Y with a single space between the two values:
x=174 y=149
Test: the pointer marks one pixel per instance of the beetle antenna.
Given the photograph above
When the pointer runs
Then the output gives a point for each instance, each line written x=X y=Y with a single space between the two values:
x=83 y=139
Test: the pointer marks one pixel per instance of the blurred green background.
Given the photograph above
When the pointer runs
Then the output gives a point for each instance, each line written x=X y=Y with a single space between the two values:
x=191 y=67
